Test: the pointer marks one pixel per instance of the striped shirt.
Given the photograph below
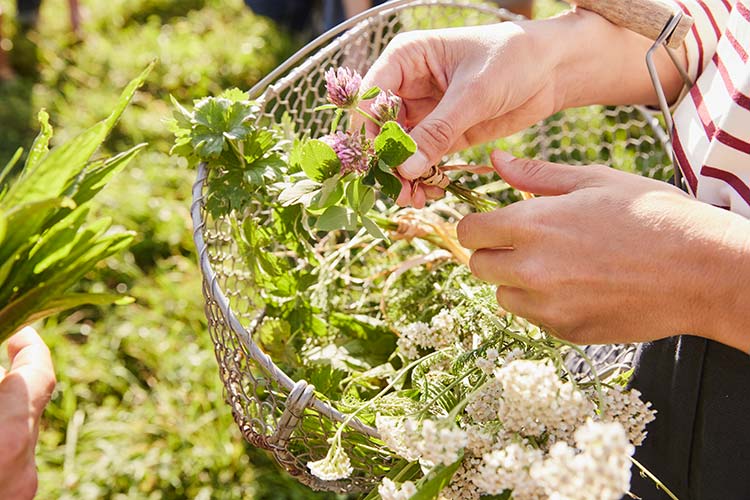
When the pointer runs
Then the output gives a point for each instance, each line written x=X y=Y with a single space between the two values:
x=712 y=122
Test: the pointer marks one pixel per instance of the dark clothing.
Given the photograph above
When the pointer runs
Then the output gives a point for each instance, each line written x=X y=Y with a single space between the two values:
x=699 y=444
x=28 y=6
x=297 y=15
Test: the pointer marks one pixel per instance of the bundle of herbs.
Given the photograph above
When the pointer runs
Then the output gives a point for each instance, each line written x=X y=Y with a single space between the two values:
x=375 y=306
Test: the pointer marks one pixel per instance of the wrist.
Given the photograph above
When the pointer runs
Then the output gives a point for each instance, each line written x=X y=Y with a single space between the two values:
x=724 y=301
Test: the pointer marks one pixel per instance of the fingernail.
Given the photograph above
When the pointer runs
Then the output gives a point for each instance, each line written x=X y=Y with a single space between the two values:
x=415 y=166
x=504 y=156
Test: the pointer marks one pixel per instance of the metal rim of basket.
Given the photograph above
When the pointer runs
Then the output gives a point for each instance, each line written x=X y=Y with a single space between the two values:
x=302 y=59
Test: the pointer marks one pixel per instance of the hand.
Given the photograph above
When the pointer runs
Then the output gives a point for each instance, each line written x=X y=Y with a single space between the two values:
x=610 y=257
x=25 y=390
x=456 y=91
x=465 y=86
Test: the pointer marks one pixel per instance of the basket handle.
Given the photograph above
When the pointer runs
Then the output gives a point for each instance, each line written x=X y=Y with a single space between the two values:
x=645 y=17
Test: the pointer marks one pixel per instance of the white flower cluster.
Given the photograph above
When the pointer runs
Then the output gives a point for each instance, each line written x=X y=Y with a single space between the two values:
x=534 y=400
x=429 y=441
x=489 y=362
x=441 y=332
x=462 y=485
x=440 y=444
x=597 y=469
x=388 y=490
x=484 y=402
x=627 y=408
x=510 y=469
x=335 y=465
x=392 y=431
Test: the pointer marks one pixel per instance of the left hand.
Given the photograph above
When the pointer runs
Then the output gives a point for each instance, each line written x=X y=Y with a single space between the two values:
x=610 y=257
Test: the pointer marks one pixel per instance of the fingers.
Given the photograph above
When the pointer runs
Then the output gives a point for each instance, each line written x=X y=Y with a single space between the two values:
x=437 y=132
x=544 y=178
x=417 y=196
x=31 y=364
x=497 y=267
x=506 y=227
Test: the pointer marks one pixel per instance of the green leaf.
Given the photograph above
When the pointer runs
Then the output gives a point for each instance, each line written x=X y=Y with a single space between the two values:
x=325 y=107
x=3 y=228
x=50 y=176
x=8 y=167
x=337 y=218
x=27 y=219
x=370 y=94
x=28 y=309
x=94 y=179
x=373 y=229
x=330 y=194
x=430 y=486
x=393 y=145
x=360 y=197
x=40 y=147
x=319 y=161
x=300 y=192
x=389 y=183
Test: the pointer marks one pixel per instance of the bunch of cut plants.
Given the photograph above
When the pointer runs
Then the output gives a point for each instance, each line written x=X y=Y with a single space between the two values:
x=375 y=305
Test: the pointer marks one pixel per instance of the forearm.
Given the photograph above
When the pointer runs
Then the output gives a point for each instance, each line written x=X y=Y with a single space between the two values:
x=600 y=63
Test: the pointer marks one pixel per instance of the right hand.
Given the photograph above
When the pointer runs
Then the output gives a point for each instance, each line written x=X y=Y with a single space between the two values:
x=464 y=86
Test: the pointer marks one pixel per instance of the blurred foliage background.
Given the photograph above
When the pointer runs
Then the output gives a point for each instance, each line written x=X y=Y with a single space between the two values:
x=138 y=412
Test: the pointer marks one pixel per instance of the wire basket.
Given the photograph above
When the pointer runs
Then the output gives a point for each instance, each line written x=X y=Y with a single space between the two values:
x=283 y=415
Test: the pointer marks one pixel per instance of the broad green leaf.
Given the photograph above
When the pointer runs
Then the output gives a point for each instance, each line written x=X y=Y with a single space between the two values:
x=49 y=177
x=319 y=161
x=370 y=94
x=429 y=488
x=393 y=145
x=337 y=218
x=40 y=147
x=373 y=229
x=331 y=192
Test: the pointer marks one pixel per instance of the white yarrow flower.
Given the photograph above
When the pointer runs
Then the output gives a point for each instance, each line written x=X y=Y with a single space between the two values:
x=388 y=490
x=335 y=465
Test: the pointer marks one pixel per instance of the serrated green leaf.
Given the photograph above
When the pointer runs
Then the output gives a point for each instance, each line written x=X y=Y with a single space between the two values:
x=370 y=94
x=337 y=218
x=318 y=160
x=393 y=145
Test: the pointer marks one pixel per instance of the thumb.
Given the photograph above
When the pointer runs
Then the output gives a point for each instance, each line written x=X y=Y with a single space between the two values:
x=542 y=177
x=436 y=134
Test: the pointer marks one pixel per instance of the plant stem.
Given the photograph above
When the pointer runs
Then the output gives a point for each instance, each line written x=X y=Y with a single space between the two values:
x=368 y=116
x=659 y=484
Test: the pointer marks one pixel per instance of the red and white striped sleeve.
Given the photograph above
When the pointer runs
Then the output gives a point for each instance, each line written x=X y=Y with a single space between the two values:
x=710 y=21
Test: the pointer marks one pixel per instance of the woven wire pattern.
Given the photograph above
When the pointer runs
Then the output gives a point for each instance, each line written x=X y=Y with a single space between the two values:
x=281 y=415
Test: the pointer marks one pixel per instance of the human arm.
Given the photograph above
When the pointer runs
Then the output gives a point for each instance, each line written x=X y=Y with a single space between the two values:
x=25 y=390
x=611 y=257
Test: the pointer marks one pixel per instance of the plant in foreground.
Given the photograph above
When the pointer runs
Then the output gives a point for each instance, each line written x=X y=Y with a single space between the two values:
x=46 y=243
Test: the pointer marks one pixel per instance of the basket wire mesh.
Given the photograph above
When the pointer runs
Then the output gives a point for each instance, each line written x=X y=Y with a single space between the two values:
x=282 y=415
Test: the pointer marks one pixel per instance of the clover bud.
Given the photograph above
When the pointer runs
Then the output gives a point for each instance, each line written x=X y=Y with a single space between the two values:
x=386 y=106
x=343 y=86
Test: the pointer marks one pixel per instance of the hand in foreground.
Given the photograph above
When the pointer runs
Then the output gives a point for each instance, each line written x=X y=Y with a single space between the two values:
x=457 y=91
x=610 y=257
x=25 y=389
